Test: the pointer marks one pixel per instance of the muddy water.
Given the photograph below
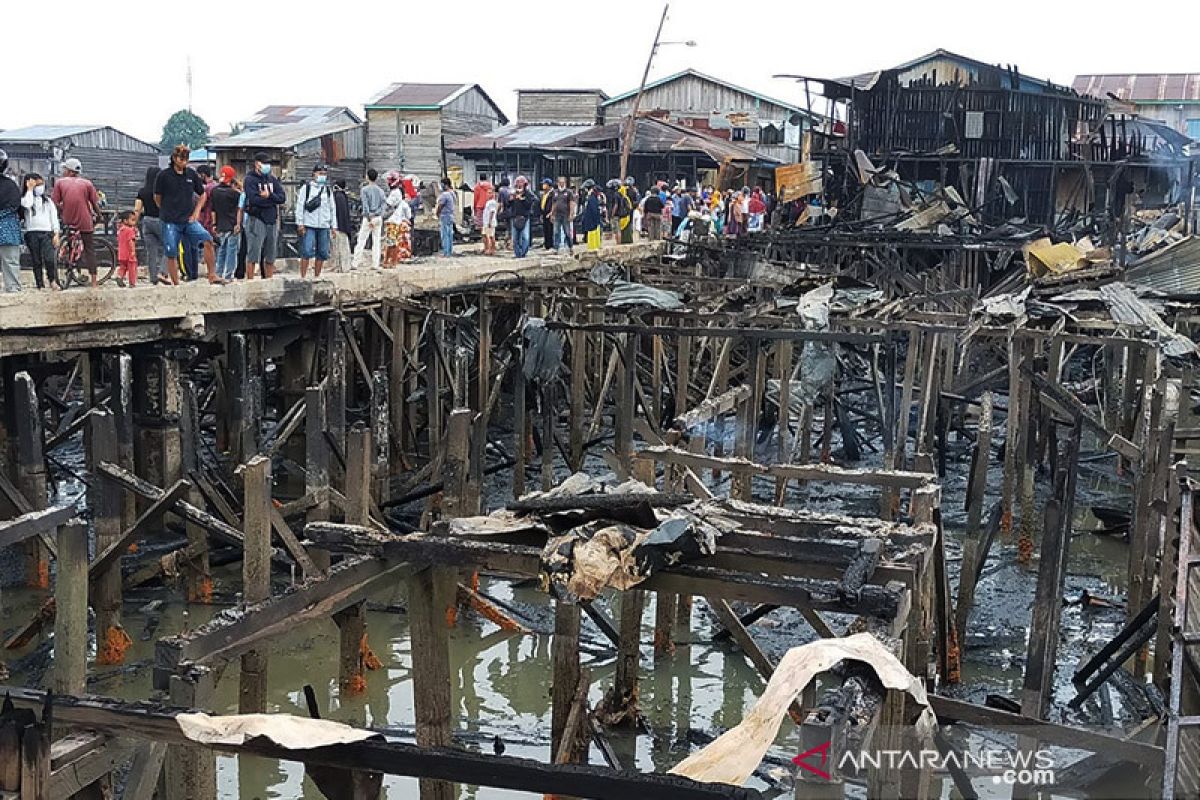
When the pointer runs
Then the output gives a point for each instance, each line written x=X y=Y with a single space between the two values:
x=501 y=682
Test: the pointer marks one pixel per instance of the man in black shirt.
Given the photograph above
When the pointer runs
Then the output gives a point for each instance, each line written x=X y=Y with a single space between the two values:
x=223 y=201
x=652 y=214
x=179 y=193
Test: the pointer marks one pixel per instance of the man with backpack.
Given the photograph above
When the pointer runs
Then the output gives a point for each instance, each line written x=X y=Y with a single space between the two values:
x=316 y=217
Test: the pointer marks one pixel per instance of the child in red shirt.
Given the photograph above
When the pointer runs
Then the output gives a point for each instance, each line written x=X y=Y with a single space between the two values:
x=127 y=266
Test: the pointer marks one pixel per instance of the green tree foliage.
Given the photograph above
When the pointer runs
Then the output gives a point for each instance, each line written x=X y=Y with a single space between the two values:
x=184 y=127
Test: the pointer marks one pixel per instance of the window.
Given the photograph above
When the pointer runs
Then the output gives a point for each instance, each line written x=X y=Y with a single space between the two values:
x=1193 y=129
x=739 y=134
x=770 y=135
x=412 y=129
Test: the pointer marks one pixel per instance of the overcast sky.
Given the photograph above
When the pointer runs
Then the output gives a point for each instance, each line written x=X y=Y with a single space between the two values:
x=125 y=64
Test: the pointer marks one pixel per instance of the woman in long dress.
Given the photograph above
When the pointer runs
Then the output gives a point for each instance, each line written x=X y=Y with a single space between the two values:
x=397 y=226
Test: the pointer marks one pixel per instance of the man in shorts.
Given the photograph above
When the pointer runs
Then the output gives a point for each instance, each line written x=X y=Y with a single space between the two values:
x=260 y=221
x=180 y=196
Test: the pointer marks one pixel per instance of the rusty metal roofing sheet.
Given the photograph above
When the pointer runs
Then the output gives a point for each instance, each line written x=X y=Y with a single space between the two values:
x=1142 y=87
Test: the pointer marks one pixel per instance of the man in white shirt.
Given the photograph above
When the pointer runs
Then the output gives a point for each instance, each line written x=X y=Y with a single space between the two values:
x=316 y=216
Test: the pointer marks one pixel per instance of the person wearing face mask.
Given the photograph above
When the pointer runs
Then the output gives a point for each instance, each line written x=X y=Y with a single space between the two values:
x=41 y=230
x=316 y=217
x=260 y=219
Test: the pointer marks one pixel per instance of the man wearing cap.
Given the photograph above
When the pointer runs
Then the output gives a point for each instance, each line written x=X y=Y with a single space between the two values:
x=263 y=193
x=179 y=193
x=78 y=206
x=224 y=199
x=316 y=217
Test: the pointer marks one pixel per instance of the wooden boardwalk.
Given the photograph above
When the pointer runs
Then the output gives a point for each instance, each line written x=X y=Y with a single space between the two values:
x=36 y=322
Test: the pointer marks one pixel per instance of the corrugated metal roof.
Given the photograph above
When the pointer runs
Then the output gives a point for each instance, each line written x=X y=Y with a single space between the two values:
x=1175 y=269
x=1168 y=87
x=275 y=136
x=658 y=136
x=286 y=115
x=46 y=133
x=418 y=94
x=697 y=74
x=522 y=136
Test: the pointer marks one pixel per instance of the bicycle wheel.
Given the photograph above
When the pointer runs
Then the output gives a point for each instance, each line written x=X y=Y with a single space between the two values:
x=68 y=272
x=106 y=260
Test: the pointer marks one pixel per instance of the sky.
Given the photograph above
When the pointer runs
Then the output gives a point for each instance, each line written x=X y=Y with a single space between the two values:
x=253 y=53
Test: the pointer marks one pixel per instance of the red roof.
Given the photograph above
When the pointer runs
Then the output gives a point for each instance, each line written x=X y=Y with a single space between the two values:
x=1146 y=87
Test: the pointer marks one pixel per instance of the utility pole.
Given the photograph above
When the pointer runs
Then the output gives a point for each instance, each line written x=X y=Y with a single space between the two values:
x=637 y=100
x=189 y=82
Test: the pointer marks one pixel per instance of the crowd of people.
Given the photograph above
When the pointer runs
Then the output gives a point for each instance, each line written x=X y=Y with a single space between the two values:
x=185 y=217
x=570 y=214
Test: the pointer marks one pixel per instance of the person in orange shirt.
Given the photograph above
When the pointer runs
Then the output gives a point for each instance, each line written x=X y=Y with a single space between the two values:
x=127 y=264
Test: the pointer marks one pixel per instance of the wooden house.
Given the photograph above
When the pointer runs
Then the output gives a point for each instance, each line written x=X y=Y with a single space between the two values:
x=559 y=106
x=291 y=115
x=1173 y=98
x=296 y=148
x=661 y=150
x=718 y=108
x=114 y=161
x=409 y=124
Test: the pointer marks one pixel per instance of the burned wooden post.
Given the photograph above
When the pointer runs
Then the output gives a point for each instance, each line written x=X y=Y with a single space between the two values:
x=197 y=577
x=621 y=703
x=111 y=639
x=242 y=422
x=335 y=393
x=256 y=575
x=973 y=549
x=520 y=434
x=430 y=593
x=31 y=472
x=190 y=771
x=380 y=435
x=578 y=382
x=565 y=653
x=624 y=411
x=156 y=406
x=316 y=459
x=71 y=610
x=352 y=634
x=121 y=403
x=358 y=472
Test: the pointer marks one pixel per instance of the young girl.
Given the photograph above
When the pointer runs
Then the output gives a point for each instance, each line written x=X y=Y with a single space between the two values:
x=127 y=265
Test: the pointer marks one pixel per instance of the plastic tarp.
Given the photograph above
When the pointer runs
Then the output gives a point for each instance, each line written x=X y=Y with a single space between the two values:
x=285 y=730
x=636 y=295
x=734 y=755
x=818 y=362
x=543 y=350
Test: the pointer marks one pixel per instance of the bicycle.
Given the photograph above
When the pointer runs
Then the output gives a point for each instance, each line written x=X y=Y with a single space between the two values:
x=69 y=257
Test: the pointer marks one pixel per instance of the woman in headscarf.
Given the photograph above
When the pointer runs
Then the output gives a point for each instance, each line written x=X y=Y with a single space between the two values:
x=397 y=225
x=735 y=216
x=622 y=212
x=593 y=214
x=716 y=207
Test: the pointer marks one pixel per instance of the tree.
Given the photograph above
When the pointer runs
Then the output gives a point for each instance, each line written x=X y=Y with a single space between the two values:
x=184 y=127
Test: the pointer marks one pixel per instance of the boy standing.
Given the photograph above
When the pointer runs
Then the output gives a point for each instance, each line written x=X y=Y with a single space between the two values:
x=491 y=209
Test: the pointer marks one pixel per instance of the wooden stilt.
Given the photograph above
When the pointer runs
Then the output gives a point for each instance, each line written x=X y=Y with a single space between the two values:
x=565 y=650
x=111 y=639
x=430 y=593
x=256 y=575
x=31 y=472
x=358 y=472
x=352 y=632
x=71 y=611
